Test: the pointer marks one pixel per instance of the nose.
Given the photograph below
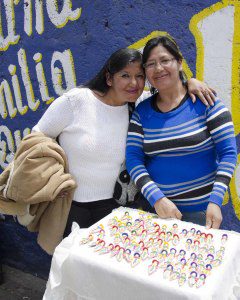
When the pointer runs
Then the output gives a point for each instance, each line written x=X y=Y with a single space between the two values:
x=158 y=66
x=133 y=81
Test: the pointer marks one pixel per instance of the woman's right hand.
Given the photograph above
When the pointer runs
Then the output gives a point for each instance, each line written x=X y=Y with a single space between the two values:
x=165 y=209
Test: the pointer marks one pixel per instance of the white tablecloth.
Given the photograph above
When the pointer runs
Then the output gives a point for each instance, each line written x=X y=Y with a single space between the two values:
x=77 y=272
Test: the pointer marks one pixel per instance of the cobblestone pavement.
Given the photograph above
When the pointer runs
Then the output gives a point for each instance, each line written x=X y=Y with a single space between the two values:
x=18 y=285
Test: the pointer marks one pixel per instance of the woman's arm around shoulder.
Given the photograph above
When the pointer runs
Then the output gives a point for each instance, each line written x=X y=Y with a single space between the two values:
x=201 y=90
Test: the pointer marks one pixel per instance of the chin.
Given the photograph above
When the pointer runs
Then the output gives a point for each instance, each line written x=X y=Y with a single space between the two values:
x=162 y=87
x=132 y=100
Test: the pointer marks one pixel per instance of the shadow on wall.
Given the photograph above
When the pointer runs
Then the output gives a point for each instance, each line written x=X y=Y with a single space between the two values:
x=19 y=248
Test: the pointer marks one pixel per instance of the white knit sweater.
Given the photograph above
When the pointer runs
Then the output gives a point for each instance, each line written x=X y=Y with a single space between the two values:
x=93 y=136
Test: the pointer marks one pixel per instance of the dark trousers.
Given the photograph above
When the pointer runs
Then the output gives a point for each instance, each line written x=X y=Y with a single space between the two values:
x=86 y=214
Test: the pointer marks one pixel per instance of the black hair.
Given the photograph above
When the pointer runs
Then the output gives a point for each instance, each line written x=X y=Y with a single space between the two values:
x=116 y=62
x=172 y=47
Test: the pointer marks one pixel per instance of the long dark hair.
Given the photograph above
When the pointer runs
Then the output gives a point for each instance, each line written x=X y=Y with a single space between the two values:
x=172 y=47
x=116 y=62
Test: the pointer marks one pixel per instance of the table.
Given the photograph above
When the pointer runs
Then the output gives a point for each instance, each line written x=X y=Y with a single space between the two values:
x=77 y=272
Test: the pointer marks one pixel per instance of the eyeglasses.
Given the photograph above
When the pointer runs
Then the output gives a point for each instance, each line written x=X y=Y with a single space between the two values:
x=153 y=64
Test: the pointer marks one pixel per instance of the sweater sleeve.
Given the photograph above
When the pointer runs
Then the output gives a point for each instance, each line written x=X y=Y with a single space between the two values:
x=57 y=117
x=135 y=161
x=220 y=126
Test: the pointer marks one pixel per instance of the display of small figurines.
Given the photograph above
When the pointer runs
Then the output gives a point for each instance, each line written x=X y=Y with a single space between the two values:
x=182 y=255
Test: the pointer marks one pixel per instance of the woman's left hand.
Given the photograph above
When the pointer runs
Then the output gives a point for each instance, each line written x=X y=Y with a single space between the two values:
x=213 y=216
x=202 y=90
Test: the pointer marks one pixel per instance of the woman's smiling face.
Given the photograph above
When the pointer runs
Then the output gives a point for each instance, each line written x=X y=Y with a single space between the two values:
x=127 y=85
x=162 y=68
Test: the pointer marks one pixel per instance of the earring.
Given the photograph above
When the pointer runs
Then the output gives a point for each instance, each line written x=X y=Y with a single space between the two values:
x=148 y=85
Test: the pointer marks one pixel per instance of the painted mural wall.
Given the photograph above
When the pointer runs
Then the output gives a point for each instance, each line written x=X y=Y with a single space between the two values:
x=50 y=46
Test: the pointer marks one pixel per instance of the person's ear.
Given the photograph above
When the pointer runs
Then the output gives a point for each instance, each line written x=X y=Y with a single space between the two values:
x=108 y=79
x=180 y=63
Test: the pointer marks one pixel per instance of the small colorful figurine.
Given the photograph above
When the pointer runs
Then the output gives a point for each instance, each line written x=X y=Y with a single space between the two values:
x=224 y=239
x=115 y=250
x=184 y=233
x=167 y=272
x=192 y=231
x=182 y=279
x=86 y=240
x=175 y=228
x=99 y=246
x=201 y=280
x=127 y=255
x=188 y=244
x=120 y=254
x=208 y=269
x=209 y=259
x=136 y=259
x=153 y=267
x=192 y=278
x=175 y=240
x=144 y=254
x=193 y=266
x=195 y=245
x=209 y=238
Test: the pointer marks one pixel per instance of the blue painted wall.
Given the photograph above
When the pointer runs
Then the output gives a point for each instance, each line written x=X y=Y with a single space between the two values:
x=88 y=33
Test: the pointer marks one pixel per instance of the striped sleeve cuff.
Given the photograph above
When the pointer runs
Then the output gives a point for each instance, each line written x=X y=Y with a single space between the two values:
x=152 y=193
x=217 y=197
x=148 y=188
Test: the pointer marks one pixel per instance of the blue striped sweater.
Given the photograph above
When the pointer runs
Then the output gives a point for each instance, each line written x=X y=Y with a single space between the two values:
x=187 y=155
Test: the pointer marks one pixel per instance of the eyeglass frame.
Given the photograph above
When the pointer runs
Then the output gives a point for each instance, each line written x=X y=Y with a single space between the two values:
x=155 y=63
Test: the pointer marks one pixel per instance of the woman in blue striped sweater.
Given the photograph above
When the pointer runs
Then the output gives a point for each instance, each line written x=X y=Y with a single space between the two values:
x=180 y=154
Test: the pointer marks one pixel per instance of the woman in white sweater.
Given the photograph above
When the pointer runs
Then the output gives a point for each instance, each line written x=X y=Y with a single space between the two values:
x=91 y=124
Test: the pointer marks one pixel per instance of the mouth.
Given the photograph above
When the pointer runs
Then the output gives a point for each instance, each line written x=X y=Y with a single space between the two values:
x=160 y=77
x=132 y=91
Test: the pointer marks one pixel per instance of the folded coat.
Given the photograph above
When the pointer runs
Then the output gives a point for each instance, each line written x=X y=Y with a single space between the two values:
x=30 y=187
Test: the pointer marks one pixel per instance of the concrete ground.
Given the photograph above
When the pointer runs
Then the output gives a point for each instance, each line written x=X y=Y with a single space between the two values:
x=18 y=285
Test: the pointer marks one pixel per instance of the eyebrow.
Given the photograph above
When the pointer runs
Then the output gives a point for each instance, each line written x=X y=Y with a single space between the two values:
x=140 y=72
x=161 y=57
